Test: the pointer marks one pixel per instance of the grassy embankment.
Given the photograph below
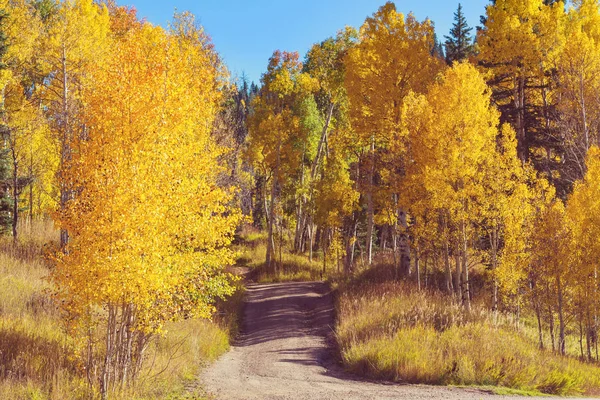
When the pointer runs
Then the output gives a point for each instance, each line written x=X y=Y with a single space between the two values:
x=37 y=359
x=390 y=331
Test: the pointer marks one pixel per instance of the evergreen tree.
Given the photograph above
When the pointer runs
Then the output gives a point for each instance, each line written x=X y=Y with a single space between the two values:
x=459 y=45
x=438 y=48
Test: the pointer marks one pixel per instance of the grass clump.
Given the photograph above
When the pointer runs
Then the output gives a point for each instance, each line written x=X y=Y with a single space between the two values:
x=392 y=332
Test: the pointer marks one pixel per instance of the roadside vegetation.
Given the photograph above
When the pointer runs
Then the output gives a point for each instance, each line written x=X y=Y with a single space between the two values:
x=251 y=248
x=389 y=330
x=38 y=360
x=449 y=192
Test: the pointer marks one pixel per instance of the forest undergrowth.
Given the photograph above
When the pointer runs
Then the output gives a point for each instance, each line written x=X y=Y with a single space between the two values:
x=389 y=330
x=39 y=361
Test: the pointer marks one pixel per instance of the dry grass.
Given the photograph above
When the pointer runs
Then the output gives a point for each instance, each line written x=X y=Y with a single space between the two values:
x=38 y=360
x=392 y=332
x=252 y=249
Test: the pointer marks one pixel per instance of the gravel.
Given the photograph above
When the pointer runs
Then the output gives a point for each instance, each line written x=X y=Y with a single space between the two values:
x=284 y=352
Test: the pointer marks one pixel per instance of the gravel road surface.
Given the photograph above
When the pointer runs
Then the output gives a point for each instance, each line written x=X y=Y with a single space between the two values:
x=283 y=353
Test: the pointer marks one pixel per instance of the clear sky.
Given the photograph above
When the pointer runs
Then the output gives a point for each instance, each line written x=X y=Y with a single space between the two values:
x=246 y=32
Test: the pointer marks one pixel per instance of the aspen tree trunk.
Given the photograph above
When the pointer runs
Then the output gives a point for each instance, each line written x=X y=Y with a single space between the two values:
x=280 y=266
x=466 y=294
x=271 y=217
x=395 y=252
x=538 y=314
x=457 y=276
x=15 y=193
x=494 y=248
x=425 y=263
x=65 y=146
x=108 y=356
x=449 y=286
x=551 y=323
x=350 y=240
x=311 y=230
x=561 y=318
x=324 y=242
x=580 y=336
x=299 y=232
x=266 y=204
x=370 y=205
x=30 y=203
x=417 y=267
x=588 y=335
x=322 y=141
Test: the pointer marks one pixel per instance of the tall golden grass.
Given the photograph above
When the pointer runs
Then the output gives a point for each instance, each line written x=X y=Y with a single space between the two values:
x=39 y=361
x=391 y=331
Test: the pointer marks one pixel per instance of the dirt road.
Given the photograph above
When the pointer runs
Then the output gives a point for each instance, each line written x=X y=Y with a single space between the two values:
x=283 y=354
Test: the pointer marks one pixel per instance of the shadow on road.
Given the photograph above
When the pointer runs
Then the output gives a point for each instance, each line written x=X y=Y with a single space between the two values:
x=280 y=311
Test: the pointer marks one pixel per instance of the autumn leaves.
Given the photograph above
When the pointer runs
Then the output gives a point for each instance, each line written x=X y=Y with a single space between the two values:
x=468 y=164
x=372 y=142
x=149 y=226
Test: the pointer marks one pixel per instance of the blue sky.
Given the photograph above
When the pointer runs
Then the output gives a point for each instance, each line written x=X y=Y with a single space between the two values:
x=246 y=32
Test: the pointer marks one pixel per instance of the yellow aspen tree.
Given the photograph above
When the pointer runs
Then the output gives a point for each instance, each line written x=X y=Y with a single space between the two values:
x=25 y=131
x=325 y=63
x=393 y=58
x=149 y=225
x=579 y=69
x=277 y=136
x=452 y=134
x=583 y=211
x=335 y=199
x=551 y=259
x=76 y=37
x=519 y=212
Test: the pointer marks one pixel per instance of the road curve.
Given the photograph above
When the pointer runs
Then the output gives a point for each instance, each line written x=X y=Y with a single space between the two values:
x=282 y=353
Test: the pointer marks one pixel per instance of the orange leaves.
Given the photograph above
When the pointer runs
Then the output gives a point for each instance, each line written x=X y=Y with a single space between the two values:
x=149 y=218
x=392 y=59
x=452 y=133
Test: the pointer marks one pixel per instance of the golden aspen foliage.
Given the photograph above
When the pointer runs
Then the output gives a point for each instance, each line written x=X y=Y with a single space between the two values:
x=452 y=133
x=32 y=152
x=332 y=197
x=392 y=58
x=457 y=178
x=77 y=37
x=278 y=137
x=583 y=213
x=579 y=68
x=583 y=209
x=149 y=224
x=551 y=261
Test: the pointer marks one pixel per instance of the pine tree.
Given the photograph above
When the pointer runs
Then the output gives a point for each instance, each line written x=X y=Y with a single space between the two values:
x=438 y=48
x=459 y=45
